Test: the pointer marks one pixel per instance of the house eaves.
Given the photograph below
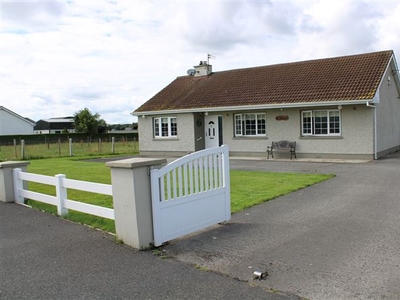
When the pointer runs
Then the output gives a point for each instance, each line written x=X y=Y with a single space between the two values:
x=254 y=107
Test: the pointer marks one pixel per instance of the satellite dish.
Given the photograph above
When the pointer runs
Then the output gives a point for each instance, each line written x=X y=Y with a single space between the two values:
x=191 y=72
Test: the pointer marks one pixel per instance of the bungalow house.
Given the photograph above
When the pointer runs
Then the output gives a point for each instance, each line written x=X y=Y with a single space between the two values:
x=12 y=123
x=343 y=107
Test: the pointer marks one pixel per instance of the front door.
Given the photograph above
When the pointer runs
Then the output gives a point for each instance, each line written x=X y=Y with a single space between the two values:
x=212 y=134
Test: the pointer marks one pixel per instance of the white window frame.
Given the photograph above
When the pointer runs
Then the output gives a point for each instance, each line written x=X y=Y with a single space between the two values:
x=240 y=124
x=158 y=127
x=311 y=130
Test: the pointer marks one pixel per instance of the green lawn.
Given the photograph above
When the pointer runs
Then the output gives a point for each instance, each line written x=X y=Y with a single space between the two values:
x=248 y=188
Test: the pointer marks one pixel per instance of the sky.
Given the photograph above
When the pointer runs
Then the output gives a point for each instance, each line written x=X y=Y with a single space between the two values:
x=111 y=56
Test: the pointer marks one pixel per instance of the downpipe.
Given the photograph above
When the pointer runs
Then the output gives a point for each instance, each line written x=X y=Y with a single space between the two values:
x=375 y=131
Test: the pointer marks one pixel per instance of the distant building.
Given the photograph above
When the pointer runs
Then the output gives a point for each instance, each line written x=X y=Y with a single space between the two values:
x=126 y=130
x=12 y=123
x=55 y=125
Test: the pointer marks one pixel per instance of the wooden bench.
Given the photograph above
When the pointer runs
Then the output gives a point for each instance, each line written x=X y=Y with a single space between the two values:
x=282 y=146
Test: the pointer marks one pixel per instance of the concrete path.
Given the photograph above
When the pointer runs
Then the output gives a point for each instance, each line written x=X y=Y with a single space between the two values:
x=339 y=239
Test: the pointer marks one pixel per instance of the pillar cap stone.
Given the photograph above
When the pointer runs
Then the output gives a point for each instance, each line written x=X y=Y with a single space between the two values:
x=13 y=164
x=136 y=162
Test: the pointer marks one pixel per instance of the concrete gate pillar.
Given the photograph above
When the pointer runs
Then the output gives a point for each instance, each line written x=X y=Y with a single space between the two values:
x=6 y=179
x=132 y=200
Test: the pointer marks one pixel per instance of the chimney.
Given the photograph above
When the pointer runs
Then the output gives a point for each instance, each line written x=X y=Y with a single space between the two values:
x=203 y=69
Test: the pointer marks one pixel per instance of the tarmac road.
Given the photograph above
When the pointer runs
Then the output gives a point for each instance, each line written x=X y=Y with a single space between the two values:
x=45 y=257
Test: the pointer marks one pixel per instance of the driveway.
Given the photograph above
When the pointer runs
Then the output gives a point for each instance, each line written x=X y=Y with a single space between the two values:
x=339 y=239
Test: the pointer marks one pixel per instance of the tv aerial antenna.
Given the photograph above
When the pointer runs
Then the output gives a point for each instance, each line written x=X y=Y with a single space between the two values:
x=208 y=58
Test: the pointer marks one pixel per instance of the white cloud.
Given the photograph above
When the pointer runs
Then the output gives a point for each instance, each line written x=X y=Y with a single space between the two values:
x=58 y=57
x=30 y=16
x=330 y=28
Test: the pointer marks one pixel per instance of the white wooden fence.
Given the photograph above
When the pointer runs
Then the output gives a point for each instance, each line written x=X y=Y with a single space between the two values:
x=61 y=184
x=186 y=195
x=190 y=194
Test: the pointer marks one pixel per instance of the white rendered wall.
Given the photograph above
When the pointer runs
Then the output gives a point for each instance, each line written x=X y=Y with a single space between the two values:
x=388 y=114
x=10 y=124
x=184 y=142
x=356 y=138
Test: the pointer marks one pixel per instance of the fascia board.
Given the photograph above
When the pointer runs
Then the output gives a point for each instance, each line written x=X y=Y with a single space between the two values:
x=251 y=107
x=396 y=74
x=376 y=98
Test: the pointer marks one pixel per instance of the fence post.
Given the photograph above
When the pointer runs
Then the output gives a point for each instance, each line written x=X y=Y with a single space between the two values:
x=70 y=148
x=61 y=193
x=15 y=148
x=132 y=200
x=112 y=145
x=7 y=193
x=23 y=149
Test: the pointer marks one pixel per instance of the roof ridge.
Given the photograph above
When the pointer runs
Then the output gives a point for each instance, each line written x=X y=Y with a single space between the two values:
x=304 y=61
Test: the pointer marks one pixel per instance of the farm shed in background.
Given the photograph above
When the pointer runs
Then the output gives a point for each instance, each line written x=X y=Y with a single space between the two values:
x=55 y=125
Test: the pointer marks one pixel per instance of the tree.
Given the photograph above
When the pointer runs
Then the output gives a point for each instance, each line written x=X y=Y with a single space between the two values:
x=86 y=122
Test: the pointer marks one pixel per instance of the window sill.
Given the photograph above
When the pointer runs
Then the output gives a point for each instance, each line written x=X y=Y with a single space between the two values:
x=250 y=138
x=321 y=137
x=166 y=139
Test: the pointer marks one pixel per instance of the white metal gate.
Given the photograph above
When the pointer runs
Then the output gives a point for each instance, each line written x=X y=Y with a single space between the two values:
x=190 y=194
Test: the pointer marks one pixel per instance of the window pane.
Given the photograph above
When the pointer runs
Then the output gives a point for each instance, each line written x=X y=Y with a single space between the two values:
x=238 y=124
x=321 y=122
x=334 y=122
x=174 y=127
x=157 y=127
x=164 y=126
x=307 y=122
x=250 y=124
x=260 y=123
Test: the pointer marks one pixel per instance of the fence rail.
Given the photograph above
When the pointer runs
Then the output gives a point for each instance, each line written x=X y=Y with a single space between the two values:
x=62 y=184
